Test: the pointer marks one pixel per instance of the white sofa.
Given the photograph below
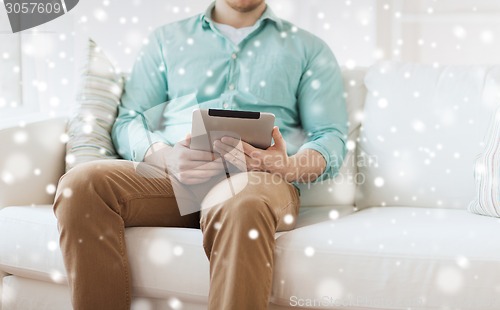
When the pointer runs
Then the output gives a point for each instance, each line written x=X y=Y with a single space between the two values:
x=390 y=232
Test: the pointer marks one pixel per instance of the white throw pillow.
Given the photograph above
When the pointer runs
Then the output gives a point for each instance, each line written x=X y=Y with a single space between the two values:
x=487 y=173
x=89 y=129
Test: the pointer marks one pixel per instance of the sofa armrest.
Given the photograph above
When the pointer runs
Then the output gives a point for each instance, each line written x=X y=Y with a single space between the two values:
x=32 y=159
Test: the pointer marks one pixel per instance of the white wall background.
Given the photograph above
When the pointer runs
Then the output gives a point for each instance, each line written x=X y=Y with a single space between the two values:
x=38 y=69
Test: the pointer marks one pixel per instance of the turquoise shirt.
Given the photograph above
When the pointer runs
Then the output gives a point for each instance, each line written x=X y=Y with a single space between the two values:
x=277 y=68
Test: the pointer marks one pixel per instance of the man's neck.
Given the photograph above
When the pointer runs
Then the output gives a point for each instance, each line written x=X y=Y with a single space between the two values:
x=224 y=14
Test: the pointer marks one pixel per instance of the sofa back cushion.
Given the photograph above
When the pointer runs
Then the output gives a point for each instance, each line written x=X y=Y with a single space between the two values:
x=341 y=189
x=422 y=130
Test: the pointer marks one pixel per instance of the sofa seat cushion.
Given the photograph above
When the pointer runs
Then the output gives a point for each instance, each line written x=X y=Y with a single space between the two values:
x=164 y=261
x=392 y=258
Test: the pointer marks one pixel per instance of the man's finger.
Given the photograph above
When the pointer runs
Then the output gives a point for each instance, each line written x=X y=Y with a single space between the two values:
x=213 y=165
x=279 y=141
x=227 y=148
x=187 y=141
x=248 y=148
x=197 y=155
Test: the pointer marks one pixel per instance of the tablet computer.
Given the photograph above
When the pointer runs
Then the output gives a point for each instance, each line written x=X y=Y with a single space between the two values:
x=209 y=125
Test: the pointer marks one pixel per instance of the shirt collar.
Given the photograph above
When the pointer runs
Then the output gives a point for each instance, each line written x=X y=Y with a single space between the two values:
x=206 y=17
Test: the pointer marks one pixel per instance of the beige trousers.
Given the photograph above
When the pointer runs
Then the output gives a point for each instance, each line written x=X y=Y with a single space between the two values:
x=96 y=201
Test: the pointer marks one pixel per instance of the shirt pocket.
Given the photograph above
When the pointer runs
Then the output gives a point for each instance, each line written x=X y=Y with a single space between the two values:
x=275 y=78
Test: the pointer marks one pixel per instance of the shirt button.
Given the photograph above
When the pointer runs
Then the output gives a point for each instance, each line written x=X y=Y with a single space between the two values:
x=231 y=87
x=225 y=105
x=233 y=56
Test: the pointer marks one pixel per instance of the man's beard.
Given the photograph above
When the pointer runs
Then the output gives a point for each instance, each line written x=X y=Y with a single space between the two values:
x=243 y=9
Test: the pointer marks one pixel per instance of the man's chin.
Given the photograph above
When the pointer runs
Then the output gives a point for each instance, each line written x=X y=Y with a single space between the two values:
x=244 y=8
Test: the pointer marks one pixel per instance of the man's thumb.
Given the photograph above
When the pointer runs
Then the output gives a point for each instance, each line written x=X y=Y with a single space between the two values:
x=278 y=138
x=187 y=141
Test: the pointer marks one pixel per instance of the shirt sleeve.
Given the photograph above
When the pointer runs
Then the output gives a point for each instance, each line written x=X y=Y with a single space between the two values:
x=145 y=89
x=322 y=109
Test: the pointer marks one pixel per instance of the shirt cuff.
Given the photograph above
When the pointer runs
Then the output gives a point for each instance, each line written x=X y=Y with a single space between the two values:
x=140 y=148
x=332 y=166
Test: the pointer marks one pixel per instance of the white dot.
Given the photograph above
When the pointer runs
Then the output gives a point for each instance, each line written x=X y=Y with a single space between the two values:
x=253 y=234
x=459 y=32
x=418 y=126
x=7 y=177
x=182 y=71
x=283 y=34
x=54 y=101
x=20 y=137
x=42 y=86
x=487 y=36
x=87 y=129
x=333 y=214
x=56 y=276
x=288 y=219
x=190 y=41
x=262 y=83
x=178 y=250
x=50 y=189
x=210 y=73
x=315 y=84
x=175 y=303
x=209 y=90
x=456 y=155
x=67 y=192
x=37 y=171
x=351 y=145
x=100 y=15
x=350 y=64
x=382 y=103
x=379 y=182
x=52 y=245
x=449 y=280
x=160 y=252
x=462 y=261
x=256 y=43
x=70 y=159
x=309 y=251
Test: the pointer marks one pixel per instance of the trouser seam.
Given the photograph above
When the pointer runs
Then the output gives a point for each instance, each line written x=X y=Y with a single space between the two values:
x=127 y=199
x=124 y=263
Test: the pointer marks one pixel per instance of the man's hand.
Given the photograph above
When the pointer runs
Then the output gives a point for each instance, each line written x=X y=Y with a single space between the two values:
x=245 y=157
x=305 y=166
x=188 y=166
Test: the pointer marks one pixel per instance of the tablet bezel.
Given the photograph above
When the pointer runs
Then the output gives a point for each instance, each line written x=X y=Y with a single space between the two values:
x=252 y=127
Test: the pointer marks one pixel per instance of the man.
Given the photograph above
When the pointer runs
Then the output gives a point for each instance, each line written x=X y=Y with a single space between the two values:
x=237 y=55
